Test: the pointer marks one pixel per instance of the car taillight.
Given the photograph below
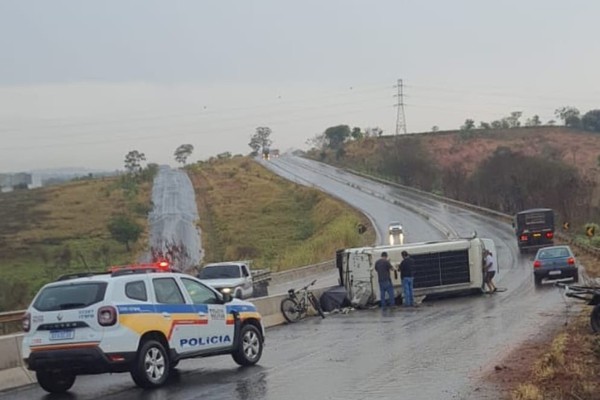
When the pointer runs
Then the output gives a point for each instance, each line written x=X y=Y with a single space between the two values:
x=523 y=237
x=26 y=322
x=107 y=316
x=549 y=235
x=537 y=264
x=571 y=261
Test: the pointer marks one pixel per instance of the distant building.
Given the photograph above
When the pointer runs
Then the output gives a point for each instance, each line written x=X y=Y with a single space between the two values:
x=9 y=181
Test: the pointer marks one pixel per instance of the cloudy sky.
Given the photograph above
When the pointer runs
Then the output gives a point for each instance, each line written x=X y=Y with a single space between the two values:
x=82 y=82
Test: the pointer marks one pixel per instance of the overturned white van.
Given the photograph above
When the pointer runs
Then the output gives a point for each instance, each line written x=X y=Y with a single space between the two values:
x=447 y=266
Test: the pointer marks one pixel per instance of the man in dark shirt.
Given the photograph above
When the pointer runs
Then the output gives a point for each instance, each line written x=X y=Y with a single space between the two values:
x=384 y=268
x=407 y=274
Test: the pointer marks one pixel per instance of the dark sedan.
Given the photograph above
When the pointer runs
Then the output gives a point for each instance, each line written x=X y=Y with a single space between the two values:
x=555 y=262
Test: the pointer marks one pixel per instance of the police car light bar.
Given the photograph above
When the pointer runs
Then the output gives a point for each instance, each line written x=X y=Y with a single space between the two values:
x=160 y=266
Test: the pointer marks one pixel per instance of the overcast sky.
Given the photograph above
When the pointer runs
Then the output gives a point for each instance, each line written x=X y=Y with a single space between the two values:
x=82 y=82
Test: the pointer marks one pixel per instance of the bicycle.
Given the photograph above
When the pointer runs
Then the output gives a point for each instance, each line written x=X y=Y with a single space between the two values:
x=295 y=306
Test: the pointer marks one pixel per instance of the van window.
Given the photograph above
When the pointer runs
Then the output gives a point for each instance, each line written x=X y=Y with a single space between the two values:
x=70 y=296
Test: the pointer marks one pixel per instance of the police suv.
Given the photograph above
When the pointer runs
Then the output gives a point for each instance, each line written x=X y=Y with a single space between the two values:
x=139 y=319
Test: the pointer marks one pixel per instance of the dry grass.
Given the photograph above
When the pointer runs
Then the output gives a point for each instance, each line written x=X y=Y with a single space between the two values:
x=247 y=212
x=569 y=369
x=71 y=219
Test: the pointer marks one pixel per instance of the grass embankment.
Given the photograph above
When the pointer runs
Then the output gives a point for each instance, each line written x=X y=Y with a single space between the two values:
x=568 y=369
x=249 y=213
x=54 y=230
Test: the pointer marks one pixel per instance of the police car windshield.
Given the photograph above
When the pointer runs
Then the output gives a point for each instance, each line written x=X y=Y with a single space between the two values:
x=70 y=296
x=220 y=272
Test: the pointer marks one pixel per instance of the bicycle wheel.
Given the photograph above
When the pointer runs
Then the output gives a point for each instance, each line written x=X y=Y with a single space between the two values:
x=316 y=304
x=290 y=310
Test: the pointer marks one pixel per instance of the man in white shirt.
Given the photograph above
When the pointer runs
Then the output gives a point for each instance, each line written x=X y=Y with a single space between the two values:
x=489 y=268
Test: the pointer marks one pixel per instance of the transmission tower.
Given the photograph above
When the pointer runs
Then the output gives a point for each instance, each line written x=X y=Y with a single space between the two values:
x=400 y=117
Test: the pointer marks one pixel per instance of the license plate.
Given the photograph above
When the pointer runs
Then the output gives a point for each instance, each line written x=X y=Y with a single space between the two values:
x=62 y=334
x=537 y=235
x=554 y=273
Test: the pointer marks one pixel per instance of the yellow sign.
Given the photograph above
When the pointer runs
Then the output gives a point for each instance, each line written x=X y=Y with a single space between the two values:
x=566 y=226
x=590 y=230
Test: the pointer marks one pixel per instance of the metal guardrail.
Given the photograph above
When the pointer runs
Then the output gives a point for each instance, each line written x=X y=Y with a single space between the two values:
x=10 y=321
x=593 y=251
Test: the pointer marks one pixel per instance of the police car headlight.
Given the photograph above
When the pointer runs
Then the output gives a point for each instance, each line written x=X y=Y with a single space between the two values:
x=226 y=290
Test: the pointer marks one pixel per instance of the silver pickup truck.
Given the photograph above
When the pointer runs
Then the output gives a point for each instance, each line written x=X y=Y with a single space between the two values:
x=235 y=276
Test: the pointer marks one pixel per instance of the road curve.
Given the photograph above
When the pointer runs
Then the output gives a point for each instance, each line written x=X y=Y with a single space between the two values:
x=438 y=351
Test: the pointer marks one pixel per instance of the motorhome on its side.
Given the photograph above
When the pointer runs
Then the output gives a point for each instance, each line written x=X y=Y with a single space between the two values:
x=440 y=267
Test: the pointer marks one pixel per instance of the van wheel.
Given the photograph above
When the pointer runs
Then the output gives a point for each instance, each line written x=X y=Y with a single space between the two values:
x=250 y=346
x=538 y=280
x=151 y=367
x=55 y=382
x=576 y=277
x=238 y=294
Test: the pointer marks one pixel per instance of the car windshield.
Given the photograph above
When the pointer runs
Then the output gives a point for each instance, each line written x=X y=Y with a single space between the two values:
x=220 y=272
x=557 y=252
x=70 y=296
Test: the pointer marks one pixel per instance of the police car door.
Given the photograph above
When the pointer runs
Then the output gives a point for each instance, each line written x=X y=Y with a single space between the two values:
x=178 y=318
x=216 y=330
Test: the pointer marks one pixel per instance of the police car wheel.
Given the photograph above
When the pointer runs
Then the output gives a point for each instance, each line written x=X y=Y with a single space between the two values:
x=55 y=382
x=151 y=367
x=250 y=346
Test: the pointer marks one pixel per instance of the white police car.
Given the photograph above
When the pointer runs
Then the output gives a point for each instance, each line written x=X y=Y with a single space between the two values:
x=140 y=319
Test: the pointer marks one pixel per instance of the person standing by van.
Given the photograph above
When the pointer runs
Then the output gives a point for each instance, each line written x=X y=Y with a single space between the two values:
x=490 y=270
x=407 y=274
x=384 y=268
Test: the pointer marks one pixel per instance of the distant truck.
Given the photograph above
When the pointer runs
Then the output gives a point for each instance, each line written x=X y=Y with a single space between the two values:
x=534 y=228
x=235 y=277
x=448 y=266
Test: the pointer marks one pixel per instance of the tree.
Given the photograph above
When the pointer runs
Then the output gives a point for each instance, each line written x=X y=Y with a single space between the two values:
x=124 y=230
x=336 y=136
x=133 y=161
x=533 y=121
x=356 y=133
x=484 y=125
x=260 y=140
x=513 y=119
x=435 y=128
x=569 y=115
x=468 y=125
x=183 y=152
x=500 y=124
x=591 y=121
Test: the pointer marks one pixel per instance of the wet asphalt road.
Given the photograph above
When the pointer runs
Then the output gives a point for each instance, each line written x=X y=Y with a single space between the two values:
x=440 y=350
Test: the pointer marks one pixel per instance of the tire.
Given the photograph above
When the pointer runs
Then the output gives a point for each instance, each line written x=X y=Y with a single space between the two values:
x=576 y=277
x=595 y=318
x=290 y=311
x=316 y=304
x=151 y=367
x=55 y=382
x=250 y=346
x=238 y=294
x=538 y=280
